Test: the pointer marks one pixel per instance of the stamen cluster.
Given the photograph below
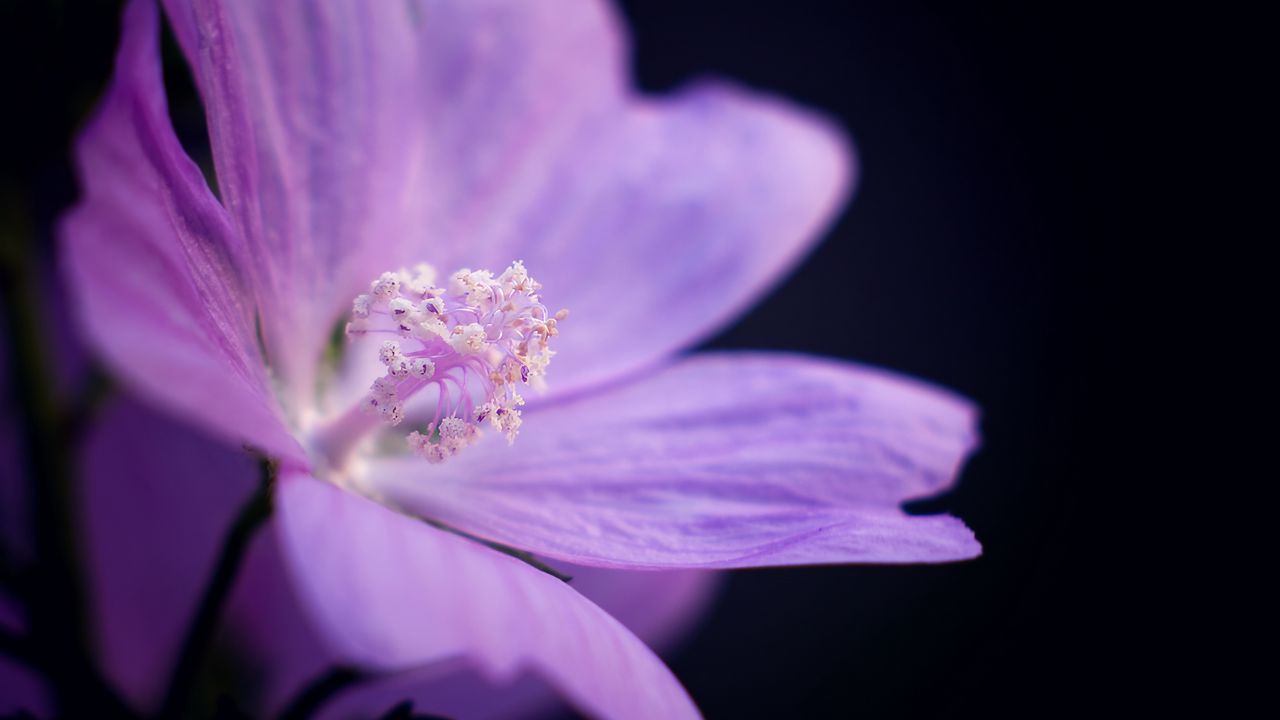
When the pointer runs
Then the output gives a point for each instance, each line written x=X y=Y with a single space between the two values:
x=474 y=341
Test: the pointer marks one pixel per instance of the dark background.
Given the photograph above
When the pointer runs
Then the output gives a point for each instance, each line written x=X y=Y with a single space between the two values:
x=959 y=261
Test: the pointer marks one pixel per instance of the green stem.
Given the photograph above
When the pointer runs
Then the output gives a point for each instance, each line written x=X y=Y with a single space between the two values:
x=204 y=626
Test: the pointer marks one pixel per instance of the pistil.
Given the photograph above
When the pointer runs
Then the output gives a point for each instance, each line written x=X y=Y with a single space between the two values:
x=469 y=344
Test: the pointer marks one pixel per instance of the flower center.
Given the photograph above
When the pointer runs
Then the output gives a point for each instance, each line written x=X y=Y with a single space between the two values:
x=469 y=345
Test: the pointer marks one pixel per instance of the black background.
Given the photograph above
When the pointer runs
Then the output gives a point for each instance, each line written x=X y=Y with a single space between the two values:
x=959 y=261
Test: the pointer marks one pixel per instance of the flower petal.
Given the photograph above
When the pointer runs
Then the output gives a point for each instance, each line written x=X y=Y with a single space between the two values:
x=150 y=542
x=655 y=221
x=354 y=137
x=155 y=266
x=664 y=222
x=658 y=607
x=315 y=131
x=723 y=460
x=158 y=500
x=265 y=621
x=392 y=592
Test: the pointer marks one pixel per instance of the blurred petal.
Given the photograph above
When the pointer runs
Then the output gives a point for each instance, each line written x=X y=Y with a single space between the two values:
x=20 y=688
x=391 y=592
x=15 y=539
x=158 y=500
x=660 y=607
x=266 y=625
x=725 y=460
x=11 y=615
x=154 y=264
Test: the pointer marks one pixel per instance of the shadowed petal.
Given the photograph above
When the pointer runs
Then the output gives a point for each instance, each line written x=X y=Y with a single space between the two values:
x=154 y=264
x=158 y=500
x=723 y=460
x=391 y=592
x=20 y=687
x=21 y=690
x=15 y=508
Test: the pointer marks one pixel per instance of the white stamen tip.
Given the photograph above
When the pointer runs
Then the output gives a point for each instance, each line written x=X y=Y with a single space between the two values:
x=474 y=342
x=385 y=287
x=400 y=307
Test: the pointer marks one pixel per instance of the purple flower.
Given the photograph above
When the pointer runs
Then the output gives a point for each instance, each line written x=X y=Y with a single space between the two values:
x=351 y=139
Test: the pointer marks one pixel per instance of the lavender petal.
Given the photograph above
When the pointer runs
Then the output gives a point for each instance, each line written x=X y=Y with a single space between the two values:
x=722 y=460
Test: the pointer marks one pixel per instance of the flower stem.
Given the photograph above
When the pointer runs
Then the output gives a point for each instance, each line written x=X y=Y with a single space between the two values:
x=17 y=647
x=58 y=621
x=317 y=692
x=11 y=576
x=204 y=625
